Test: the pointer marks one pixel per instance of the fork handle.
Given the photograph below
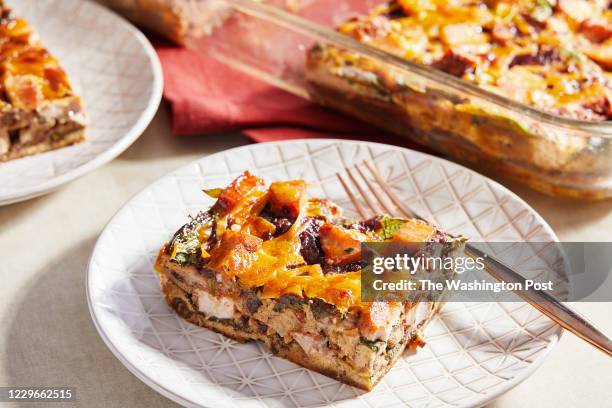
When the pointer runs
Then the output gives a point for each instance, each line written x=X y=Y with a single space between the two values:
x=545 y=303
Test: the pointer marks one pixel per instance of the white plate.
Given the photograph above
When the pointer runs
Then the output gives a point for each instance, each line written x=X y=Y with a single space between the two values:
x=112 y=66
x=474 y=351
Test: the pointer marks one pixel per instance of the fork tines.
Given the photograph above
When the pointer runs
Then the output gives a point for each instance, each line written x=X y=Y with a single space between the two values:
x=377 y=195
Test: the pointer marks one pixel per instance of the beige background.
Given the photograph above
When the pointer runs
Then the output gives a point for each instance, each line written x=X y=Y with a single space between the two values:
x=47 y=337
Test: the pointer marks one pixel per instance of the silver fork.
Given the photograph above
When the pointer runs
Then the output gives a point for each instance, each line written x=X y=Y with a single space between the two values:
x=373 y=203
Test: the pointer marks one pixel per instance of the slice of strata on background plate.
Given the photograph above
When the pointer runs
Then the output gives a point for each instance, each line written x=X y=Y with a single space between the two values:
x=38 y=109
x=269 y=264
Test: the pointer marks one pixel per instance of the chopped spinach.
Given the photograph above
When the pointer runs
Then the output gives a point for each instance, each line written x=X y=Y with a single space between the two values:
x=220 y=320
x=242 y=325
x=371 y=344
x=185 y=246
x=185 y=258
x=191 y=302
x=321 y=309
x=319 y=313
x=288 y=301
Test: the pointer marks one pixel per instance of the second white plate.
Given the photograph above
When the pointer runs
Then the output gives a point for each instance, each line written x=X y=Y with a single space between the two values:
x=112 y=66
x=474 y=351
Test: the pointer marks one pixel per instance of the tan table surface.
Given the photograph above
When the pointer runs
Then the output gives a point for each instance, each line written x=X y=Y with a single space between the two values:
x=47 y=337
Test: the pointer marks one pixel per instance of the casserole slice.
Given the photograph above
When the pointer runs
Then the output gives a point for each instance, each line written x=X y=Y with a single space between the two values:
x=38 y=108
x=272 y=265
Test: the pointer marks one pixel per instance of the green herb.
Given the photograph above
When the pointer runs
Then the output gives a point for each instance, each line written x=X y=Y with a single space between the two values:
x=213 y=192
x=185 y=244
x=371 y=344
x=349 y=250
x=185 y=247
x=573 y=54
x=547 y=3
x=390 y=226
x=185 y=258
x=542 y=10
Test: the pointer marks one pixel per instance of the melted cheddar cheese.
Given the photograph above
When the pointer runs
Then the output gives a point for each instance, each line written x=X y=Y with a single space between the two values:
x=275 y=265
x=236 y=246
x=29 y=75
x=555 y=55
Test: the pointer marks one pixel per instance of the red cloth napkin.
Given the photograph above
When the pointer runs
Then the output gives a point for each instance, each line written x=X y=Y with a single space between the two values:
x=206 y=96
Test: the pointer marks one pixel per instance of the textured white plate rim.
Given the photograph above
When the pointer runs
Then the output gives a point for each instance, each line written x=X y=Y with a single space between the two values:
x=131 y=367
x=168 y=393
x=119 y=147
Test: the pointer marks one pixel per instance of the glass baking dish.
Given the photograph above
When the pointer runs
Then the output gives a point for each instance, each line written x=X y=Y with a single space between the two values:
x=292 y=44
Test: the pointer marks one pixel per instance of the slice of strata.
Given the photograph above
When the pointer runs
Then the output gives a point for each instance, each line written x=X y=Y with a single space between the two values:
x=38 y=109
x=269 y=264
